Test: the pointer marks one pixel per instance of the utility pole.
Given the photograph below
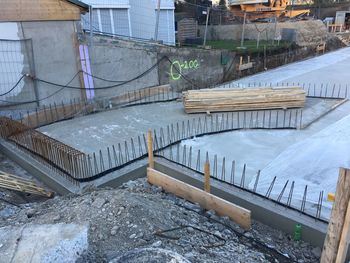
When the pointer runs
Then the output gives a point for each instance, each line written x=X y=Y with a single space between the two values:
x=157 y=22
x=206 y=27
x=243 y=29
x=275 y=31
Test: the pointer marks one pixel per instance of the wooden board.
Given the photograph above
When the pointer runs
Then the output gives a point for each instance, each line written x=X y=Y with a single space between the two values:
x=344 y=239
x=336 y=223
x=208 y=201
x=38 y=10
x=12 y=182
x=209 y=100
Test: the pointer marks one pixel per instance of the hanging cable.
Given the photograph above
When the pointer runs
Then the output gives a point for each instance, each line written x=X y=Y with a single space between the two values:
x=17 y=83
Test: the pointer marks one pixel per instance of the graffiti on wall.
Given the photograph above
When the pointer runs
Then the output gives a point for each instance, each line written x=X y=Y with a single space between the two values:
x=178 y=68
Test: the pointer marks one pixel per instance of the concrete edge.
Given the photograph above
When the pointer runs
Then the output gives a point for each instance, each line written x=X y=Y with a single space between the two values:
x=263 y=210
x=48 y=176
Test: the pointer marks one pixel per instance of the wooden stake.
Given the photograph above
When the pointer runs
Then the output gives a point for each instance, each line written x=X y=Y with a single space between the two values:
x=344 y=239
x=207 y=177
x=150 y=149
x=336 y=223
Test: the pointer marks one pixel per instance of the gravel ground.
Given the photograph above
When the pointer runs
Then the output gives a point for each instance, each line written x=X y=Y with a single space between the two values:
x=124 y=226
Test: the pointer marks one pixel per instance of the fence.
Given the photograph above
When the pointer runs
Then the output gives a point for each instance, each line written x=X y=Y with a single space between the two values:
x=84 y=167
x=16 y=60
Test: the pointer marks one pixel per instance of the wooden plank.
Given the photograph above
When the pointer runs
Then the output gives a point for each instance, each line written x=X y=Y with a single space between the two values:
x=12 y=182
x=208 y=201
x=243 y=99
x=336 y=223
x=344 y=239
x=207 y=177
x=245 y=66
x=150 y=148
x=38 y=10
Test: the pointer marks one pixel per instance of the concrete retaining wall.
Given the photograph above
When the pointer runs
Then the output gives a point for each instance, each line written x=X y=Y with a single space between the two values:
x=52 y=55
x=181 y=67
x=307 y=32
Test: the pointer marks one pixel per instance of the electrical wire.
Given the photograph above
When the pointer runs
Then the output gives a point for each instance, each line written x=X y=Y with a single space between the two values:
x=241 y=235
x=42 y=99
x=101 y=88
x=17 y=83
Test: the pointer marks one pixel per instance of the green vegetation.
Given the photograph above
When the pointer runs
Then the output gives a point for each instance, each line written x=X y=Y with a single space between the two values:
x=250 y=45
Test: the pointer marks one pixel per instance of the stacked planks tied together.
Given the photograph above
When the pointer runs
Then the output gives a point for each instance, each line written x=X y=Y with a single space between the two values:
x=219 y=100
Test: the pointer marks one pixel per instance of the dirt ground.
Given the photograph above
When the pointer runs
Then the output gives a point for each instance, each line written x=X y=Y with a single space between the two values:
x=126 y=224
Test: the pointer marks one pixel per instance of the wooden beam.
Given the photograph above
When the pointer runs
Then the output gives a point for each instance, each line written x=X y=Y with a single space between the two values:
x=218 y=100
x=38 y=10
x=150 y=148
x=336 y=223
x=207 y=177
x=208 y=201
x=12 y=182
x=344 y=239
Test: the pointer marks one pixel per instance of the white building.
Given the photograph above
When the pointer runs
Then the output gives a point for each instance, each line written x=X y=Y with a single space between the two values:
x=132 y=18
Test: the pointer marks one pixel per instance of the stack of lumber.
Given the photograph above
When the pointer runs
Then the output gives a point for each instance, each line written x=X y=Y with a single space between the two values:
x=12 y=182
x=216 y=100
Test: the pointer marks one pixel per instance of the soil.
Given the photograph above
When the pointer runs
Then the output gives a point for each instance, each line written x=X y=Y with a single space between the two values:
x=140 y=223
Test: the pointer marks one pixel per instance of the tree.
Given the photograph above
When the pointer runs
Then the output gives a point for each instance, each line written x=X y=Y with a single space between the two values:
x=222 y=3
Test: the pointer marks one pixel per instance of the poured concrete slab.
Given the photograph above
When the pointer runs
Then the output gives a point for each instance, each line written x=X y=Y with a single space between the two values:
x=43 y=243
x=331 y=68
x=98 y=131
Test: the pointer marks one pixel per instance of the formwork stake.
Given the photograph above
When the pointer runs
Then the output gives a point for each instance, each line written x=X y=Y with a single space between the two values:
x=150 y=149
x=207 y=177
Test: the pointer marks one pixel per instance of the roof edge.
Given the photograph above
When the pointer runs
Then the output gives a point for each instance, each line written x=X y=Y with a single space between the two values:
x=79 y=3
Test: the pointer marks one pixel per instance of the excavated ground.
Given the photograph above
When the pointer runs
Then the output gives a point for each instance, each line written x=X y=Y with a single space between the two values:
x=123 y=223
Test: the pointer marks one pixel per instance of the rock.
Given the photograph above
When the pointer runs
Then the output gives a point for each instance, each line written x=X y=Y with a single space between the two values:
x=157 y=243
x=100 y=236
x=114 y=230
x=280 y=236
x=189 y=255
x=56 y=217
x=316 y=252
x=217 y=233
x=248 y=234
x=190 y=229
x=99 y=202
x=132 y=236
x=30 y=212
x=227 y=232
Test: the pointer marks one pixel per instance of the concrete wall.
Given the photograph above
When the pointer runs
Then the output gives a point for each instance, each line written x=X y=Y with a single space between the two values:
x=123 y=60
x=49 y=54
x=55 y=57
x=307 y=32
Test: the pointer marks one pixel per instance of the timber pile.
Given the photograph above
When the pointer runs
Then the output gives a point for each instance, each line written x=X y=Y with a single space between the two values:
x=209 y=100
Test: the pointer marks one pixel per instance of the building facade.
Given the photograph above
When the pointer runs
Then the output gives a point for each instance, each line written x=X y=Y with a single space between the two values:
x=132 y=18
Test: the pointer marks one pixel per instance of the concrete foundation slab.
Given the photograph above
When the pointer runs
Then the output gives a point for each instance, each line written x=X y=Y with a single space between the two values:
x=43 y=243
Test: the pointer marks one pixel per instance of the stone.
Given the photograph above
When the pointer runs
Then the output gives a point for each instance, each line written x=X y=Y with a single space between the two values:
x=189 y=255
x=157 y=243
x=217 y=233
x=99 y=202
x=132 y=236
x=190 y=229
x=56 y=217
x=316 y=252
x=30 y=212
x=248 y=234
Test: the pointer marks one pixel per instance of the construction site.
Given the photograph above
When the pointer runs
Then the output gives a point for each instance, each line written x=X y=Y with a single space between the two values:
x=211 y=142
